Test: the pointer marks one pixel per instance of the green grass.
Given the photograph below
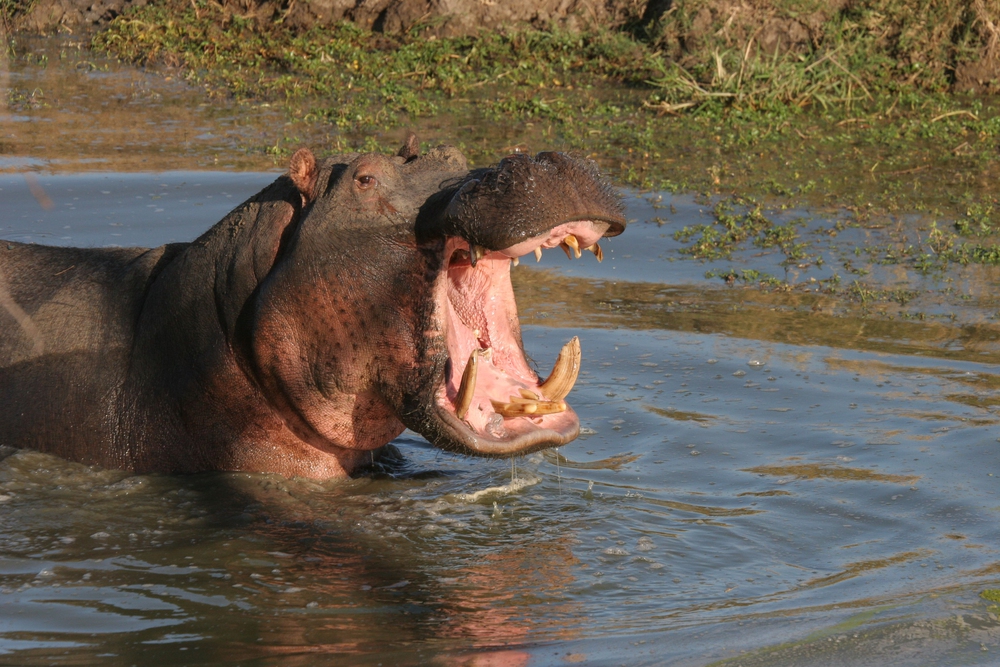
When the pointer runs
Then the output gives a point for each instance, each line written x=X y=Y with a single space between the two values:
x=357 y=71
x=791 y=124
x=859 y=117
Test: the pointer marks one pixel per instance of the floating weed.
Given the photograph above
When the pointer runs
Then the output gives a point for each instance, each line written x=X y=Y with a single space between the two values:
x=740 y=220
x=993 y=595
x=977 y=220
x=747 y=277
x=727 y=233
x=866 y=294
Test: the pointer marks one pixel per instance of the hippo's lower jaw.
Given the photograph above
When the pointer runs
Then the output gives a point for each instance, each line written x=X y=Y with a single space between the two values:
x=489 y=401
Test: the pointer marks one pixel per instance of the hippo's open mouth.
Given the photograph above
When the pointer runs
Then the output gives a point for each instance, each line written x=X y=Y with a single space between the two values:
x=490 y=400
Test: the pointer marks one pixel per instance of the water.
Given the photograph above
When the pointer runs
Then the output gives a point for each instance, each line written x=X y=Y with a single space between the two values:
x=758 y=482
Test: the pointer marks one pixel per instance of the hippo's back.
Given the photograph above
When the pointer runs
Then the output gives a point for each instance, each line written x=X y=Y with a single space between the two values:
x=67 y=318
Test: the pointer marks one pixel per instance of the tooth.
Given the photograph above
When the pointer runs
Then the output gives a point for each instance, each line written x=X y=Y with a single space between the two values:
x=538 y=254
x=527 y=393
x=564 y=373
x=468 y=386
x=550 y=407
x=571 y=241
x=475 y=253
x=533 y=409
x=596 y=249
x=515 y=261
x=514 y=409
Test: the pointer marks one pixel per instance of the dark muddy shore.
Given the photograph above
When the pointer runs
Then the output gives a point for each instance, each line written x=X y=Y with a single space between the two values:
x=956 y=39
x=852 y=108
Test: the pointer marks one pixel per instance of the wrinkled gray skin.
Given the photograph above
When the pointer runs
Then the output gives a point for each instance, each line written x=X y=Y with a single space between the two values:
x=298 y=335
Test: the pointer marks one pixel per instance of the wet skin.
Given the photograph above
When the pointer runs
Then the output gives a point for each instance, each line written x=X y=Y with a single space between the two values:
x=348 y=300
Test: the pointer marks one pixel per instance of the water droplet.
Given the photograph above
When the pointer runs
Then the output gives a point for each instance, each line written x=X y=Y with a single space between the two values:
x=495 y=427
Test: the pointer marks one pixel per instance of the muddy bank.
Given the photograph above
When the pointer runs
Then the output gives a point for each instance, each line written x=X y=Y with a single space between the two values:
x=431 y=17
x=952 y=44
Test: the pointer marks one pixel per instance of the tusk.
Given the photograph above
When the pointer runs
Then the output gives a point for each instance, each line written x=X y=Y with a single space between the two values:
x=534 y=409
x=596 y=249
x=564 y=373
x=538 y=254
x=475 y=253
x=514 y=409
x=550 y=407
x=571 y=242
x=514 y=261
x=527 y=393
x=468 y=386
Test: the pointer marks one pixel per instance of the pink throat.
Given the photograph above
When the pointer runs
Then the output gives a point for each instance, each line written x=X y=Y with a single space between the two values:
x=480 y=318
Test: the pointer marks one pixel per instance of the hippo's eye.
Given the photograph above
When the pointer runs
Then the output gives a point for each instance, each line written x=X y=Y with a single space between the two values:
x=365 y=181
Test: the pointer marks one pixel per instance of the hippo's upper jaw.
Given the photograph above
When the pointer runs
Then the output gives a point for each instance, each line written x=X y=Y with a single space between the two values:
x=488 y=400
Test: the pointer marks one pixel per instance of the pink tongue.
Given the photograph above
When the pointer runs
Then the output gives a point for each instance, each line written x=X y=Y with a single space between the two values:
x=491 y=383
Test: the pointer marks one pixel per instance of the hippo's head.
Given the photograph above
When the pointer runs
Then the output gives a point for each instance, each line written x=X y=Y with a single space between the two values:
x=389 y=303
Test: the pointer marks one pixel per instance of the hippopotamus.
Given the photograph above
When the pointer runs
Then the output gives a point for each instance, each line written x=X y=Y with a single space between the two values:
x=353 y=297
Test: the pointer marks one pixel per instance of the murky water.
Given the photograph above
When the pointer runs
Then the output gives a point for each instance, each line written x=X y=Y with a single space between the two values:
x=761 y=480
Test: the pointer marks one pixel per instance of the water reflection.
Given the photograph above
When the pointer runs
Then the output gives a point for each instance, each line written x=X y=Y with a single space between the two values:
x=282 y=568
x=144 y=121
x=829 y=471
x=779 y=317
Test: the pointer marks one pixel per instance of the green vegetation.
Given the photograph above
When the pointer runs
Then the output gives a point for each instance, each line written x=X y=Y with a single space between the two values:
x=799 y=53
x=855 y=113
x=993 y=595
x=747 y=277
x=11 y=9
x=730 y=230
x=867 y=294
x=875 y=107
x=362 y=81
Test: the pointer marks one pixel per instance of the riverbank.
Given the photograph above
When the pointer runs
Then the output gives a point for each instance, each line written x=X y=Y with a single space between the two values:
x=825 y=121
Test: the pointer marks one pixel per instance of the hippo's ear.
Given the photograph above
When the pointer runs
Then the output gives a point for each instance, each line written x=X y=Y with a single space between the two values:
x=411 y=149
x=302 y=171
